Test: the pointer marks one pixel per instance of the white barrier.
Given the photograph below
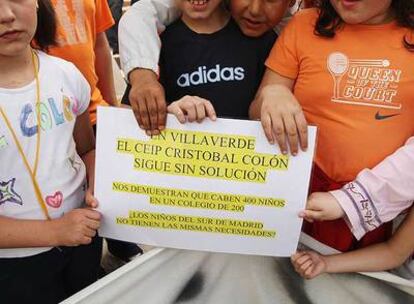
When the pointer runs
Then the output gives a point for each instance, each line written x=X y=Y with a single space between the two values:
x=164 y=276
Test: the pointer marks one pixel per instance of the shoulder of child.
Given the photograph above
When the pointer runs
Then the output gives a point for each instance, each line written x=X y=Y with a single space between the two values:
x=305 y=16
x=306 y=13
x=70 y=75
x=302 y=22
x=59 y=63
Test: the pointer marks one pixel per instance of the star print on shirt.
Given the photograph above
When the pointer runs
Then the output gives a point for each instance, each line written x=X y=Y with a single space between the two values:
x=8 y=194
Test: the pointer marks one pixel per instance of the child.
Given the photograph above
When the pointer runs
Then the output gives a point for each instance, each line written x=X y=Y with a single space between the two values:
x=140 y=47
x=195 y=59
x=44 y=127
x=348 y=64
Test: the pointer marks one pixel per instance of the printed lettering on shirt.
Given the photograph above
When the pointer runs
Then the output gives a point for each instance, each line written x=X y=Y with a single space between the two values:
x=50 y=114
x=72 y=23
x=363 y=204
x=217 y=74
x=8 y=193
x=364 y=82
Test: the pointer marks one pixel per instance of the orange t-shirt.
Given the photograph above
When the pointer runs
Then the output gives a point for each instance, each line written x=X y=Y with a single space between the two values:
x=357 y=87
x=79 y=22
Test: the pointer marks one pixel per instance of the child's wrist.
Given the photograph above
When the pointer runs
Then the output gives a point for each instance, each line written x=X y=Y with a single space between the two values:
x=54 y=232
x=328 y=264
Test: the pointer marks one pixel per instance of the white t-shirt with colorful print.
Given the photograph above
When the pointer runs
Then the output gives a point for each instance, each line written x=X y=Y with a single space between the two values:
x=61 y=174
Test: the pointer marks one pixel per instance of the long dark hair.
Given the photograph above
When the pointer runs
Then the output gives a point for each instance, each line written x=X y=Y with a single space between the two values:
x=45 y=34
x=329 y=21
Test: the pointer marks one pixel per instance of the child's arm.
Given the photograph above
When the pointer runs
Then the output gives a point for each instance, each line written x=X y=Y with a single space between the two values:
x=72 y=229
x=147 y=99
x=192 y=108
x=139 y=49
x=322 y=206
x=85 y=146
x=103 y=66
x=280 y=113
x=379 y=257
x=16 y=233
x=139 y=28
x=385 y=190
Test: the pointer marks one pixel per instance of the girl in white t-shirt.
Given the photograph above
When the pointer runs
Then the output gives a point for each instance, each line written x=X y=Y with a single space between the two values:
x=48 y=247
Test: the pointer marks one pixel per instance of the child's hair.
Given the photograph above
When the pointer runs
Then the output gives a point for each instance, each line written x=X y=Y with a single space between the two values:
x=45 y=34
x=329 y=21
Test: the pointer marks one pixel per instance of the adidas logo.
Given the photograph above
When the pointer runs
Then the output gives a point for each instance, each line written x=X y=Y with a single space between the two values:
x=216 y=74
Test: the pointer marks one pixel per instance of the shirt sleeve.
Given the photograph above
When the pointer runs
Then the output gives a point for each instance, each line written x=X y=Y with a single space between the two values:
x=378 y=195
x=283 y=58
x=80 y=87
x=103 y=16
x=139 y=42
x=84 y=91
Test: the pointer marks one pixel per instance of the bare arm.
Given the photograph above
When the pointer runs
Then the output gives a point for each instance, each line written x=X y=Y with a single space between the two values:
x=72 y=229
x=15 y=233
x=384 y=256
x=280 y=113
x=103 y=66
x=379 y=257
x=85 y=146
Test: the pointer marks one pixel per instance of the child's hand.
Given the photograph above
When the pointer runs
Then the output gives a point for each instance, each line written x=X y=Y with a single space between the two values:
x=77 y=227
x=308 y=264
x=193 y=107
x=322 y=206
x=147 y=99
x=282 y=117
x=90 y=200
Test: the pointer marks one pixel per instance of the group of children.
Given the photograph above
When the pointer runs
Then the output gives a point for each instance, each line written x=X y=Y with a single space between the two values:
x=343 y=66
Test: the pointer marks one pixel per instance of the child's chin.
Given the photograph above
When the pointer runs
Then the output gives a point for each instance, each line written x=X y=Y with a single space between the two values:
x=253 y=32
x=199 y=15
x=12 y=49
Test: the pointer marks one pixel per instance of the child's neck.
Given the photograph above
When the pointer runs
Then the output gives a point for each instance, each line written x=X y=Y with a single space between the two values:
x=16 y=71
x=215 y=22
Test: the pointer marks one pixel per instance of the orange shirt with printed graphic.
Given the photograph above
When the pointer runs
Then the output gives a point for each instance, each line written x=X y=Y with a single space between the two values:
x=79 y=22
x=356 y=87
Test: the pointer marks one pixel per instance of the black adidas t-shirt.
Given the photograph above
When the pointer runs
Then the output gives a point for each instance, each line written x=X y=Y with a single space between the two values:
x=225 y=67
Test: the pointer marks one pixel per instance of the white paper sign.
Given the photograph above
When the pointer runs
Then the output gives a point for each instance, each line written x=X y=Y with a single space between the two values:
x=215 y=186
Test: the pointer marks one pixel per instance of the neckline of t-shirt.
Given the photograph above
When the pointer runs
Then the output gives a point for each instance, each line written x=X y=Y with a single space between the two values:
x=211 y=35
x=372 y=27
x=31 y=85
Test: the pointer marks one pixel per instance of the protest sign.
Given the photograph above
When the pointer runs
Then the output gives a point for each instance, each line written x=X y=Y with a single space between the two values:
x=214 y=186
